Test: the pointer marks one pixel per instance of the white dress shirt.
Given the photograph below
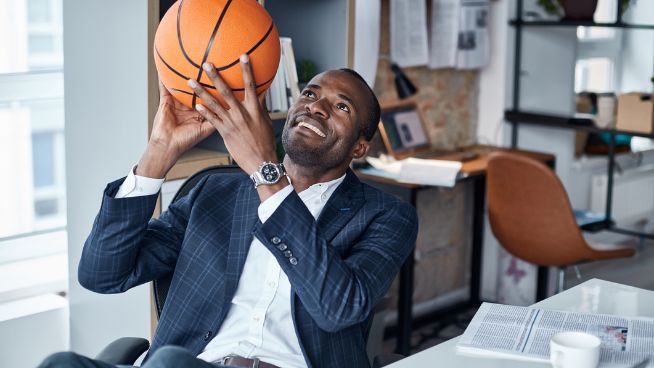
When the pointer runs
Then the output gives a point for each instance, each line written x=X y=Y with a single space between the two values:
x=259 y=322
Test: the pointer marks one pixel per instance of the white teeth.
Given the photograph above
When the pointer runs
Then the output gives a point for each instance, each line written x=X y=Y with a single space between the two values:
x=313 y=128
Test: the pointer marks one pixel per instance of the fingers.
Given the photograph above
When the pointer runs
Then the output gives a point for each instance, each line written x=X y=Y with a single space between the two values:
x=262 y=101
x=163 y=91
x=211 y=102
x=206 y=128
x=248 y=79
x=221 y=86
x=211 y=118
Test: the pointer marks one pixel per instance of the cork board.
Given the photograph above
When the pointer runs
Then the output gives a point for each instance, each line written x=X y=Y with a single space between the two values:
x=447 y=98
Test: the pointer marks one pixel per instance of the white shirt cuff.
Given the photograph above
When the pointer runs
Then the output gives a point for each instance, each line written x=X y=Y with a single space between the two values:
x=269 y=206
x=136 y=186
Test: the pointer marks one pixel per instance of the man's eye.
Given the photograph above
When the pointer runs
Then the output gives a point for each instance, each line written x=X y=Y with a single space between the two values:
x=308 y=94
x=344 y=107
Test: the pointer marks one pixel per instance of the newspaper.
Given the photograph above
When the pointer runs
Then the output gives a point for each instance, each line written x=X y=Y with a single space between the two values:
x=409 y=32
x=459 y=34
x=524 y=333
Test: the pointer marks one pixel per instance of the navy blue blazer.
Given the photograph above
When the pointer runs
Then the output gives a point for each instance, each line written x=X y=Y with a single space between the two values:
x=344 y=262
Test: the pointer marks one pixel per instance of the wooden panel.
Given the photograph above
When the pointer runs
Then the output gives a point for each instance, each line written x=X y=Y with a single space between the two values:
x=196 y=160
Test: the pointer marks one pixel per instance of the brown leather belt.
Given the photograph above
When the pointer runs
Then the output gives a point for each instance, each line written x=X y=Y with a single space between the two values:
x=239 y=361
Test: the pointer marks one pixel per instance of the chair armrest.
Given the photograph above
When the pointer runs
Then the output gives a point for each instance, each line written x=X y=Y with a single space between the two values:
x=123 y=351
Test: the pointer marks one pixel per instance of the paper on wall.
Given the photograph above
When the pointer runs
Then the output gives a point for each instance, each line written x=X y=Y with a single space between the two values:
x=408 y=20
x=473 y=38
x=459 y=34
x=444 y=32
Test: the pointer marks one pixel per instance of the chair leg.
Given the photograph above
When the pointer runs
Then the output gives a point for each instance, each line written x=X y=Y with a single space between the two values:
x=560 y=285
x=541 y=283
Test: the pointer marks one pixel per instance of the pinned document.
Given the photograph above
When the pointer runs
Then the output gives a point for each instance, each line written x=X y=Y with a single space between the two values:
x=409 y=32
x=459 y=34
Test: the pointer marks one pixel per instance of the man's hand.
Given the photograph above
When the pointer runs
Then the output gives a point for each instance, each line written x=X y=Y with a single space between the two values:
x=245 y=126
x=176 y=128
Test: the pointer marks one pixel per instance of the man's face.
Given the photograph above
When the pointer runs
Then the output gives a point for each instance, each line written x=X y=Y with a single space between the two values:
x=324 y=124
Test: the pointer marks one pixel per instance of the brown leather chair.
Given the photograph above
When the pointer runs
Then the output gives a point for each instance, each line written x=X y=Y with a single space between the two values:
x=531 y=217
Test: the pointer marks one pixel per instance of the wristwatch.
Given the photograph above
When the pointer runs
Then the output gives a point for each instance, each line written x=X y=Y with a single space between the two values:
x=268 y=173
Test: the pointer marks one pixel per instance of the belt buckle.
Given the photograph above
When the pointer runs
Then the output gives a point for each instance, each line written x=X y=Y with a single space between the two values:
x=255 y=362
x=223 y=360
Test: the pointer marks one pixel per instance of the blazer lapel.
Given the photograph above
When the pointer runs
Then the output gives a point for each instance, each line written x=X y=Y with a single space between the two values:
x=244 y=218
x=341 y=207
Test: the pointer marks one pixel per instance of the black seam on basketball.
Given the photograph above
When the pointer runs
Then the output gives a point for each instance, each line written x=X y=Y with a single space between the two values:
x=179 y=35
x=250 y=50
x=257 y=86
x=176 y=72
x=213 y=36
x=181 y=91
x=212 y=87
x=156 y=50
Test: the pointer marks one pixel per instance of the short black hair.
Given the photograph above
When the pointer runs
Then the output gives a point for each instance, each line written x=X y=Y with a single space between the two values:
x=369 y=127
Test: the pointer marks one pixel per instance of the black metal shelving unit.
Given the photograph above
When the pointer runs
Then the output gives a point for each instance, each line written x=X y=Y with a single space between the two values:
x=516 y=116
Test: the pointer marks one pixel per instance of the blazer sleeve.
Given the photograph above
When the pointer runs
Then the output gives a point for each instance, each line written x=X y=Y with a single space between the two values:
x=127 y=247
x=339 y=291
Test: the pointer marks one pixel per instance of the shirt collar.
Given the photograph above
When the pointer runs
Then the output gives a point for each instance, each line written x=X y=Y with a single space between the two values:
x=321 y=188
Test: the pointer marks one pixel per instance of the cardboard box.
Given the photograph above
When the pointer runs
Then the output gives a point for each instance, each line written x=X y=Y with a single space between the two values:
x=635 y=113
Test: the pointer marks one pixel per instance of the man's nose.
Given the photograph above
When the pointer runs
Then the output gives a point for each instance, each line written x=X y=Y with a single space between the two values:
x=318 y=107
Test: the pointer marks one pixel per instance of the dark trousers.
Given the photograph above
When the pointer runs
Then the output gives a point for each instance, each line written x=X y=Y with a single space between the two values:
x=165 y=357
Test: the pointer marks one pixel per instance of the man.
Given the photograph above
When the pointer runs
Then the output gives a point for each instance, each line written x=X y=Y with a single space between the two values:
x=285 y=266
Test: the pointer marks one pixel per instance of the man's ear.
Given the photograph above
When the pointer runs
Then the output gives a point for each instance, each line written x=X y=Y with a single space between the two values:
x=360 y=148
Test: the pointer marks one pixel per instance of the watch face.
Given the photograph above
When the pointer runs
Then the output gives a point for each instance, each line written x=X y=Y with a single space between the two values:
x=270 y=172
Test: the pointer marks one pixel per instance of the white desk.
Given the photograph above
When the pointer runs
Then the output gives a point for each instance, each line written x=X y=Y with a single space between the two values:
x=593 y=296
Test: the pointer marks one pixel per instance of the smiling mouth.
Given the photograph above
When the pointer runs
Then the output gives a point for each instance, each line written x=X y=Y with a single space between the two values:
x=312 y=128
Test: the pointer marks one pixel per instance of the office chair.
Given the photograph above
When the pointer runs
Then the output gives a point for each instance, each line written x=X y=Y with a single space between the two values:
x=126 y=350
x=531 y=216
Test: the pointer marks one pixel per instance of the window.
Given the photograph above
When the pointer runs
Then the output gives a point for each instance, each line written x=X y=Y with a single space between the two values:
x=32 y=160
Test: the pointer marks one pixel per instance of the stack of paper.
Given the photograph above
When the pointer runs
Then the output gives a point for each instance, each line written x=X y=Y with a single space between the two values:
x=419 y=171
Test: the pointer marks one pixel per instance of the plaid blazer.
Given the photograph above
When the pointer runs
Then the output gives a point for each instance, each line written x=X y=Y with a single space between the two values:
x=344 y=262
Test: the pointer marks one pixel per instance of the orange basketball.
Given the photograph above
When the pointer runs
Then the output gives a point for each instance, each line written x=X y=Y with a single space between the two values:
x=193 y=32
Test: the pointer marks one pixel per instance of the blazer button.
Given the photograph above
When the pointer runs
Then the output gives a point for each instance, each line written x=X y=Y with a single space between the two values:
x=293 y=260
x=276 y=240
x=207 y=336
x=282 y=247
x=288 y=254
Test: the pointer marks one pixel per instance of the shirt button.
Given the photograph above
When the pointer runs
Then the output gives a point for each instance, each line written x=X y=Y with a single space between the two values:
x=256 y=318
x=288 y=254
x=323 y=197
x=282 y=247
x=207 y=336
x=276 y=240
x=271 y=284
x=293 y=260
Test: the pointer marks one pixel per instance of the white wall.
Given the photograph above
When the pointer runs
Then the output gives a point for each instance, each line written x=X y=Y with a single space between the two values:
x=31 y=329
x=547 y=85
x=105 y=76
x=638 y=50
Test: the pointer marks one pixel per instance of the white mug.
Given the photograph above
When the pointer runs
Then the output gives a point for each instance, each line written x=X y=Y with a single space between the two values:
x=574 y=350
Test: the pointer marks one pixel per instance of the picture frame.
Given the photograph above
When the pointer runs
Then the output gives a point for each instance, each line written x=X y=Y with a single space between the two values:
x=402 y=130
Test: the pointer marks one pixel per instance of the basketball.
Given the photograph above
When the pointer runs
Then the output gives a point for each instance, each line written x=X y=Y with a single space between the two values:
x=193 y=32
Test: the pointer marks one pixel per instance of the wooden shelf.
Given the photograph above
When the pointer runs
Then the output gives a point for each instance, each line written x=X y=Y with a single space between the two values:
x=195 y=160
x=278 y=115
x=577 y=122
x=569 y=23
